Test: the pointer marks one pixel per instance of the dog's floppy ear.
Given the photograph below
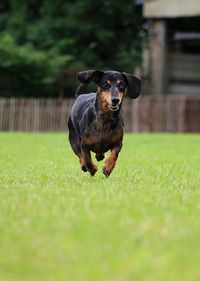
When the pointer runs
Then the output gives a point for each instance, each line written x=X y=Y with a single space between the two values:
x=86 y=77
x=89 y=76
x=134 y=85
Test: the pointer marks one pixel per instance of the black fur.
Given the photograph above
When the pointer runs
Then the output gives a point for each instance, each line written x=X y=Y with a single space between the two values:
x=96 y=122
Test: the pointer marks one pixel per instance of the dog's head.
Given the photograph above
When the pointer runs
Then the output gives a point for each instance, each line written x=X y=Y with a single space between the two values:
x=112 y=86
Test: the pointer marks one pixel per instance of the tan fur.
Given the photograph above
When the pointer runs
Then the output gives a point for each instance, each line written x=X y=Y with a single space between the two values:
x=114 y=138
x=92 y=169
x=82 y=162
x=110 y=162
x=105 y=97
x=91 y=140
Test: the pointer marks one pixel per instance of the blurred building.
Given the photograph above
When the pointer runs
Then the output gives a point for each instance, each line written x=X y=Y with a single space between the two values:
x=172 y=56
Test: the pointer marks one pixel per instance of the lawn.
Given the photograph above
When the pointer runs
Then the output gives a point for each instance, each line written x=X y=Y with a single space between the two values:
x=58 y=223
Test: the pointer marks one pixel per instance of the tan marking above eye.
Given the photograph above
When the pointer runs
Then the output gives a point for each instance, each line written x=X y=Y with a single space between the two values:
x=118 y=82
x=108 y=81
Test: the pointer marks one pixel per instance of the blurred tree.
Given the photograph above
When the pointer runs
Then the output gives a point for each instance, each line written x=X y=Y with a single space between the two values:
x=43 y=43
x=25 y=69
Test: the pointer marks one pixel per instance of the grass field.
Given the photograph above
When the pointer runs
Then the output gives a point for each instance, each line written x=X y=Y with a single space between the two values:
x=58 y=223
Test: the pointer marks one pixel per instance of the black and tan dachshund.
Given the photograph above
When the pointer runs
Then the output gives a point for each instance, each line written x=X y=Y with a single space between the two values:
x=96 y=122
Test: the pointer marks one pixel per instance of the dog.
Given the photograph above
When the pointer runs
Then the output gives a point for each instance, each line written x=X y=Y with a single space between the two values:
x=95 y=123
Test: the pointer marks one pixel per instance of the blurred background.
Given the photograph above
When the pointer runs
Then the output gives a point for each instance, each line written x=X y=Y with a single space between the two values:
x=43 y=44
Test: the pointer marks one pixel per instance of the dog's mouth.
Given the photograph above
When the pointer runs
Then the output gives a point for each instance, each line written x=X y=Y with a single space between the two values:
x=114 y=107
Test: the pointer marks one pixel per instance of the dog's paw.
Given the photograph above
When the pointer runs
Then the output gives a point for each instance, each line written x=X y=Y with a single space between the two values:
x=106 y=172
x=93 y=170
x=83 y=167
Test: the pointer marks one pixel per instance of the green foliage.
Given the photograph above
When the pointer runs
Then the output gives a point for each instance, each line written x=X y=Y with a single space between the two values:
x=31 y=64
x=27 y=65
x=58 y=223
x=43 y=43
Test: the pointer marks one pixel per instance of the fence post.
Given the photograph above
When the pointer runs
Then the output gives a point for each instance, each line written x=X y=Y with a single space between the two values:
x=181 y=115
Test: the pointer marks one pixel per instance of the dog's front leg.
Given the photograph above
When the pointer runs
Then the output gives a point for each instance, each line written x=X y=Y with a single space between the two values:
x=88 y=160
x=111 y=160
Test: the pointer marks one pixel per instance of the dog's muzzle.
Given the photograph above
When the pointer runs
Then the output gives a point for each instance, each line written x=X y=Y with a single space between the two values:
x=115 y=104
x=114 y=108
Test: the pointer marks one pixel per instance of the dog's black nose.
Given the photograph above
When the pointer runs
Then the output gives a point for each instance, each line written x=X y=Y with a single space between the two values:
x=115 y=101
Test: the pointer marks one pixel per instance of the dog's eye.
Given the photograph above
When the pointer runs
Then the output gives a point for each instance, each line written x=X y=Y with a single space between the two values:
x=105 y=85
x=121 y=86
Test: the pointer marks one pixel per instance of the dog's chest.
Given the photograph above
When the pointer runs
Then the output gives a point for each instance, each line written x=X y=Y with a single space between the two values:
x=101 y=136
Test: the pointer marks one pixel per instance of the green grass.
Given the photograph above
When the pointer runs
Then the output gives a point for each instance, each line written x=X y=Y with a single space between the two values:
x=58 y=223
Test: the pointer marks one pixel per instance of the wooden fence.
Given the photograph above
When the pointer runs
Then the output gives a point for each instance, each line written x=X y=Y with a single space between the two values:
x=146 y=114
